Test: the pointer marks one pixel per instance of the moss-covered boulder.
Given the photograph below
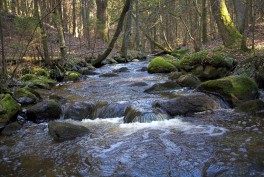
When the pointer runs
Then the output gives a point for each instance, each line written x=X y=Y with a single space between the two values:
x=234 y=89
x=8 y=108
x=160 y=65
x=254 y=107
x=44 y=111
x=205 y=65
x=33 y=81
x=24 y=96
x=72 y=76
x=40 y=72
x=174 y=75
x=188 y=80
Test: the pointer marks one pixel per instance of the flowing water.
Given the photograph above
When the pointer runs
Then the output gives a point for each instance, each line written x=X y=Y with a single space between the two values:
x=215 y=143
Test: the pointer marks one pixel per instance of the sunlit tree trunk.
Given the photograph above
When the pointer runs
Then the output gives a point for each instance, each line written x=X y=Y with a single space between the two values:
x=101 y=14
x=58 y=23
x=229 y=34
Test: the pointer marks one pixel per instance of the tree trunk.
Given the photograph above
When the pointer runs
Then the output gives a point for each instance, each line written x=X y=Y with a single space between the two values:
x=100 y=58
x=58 y=24
x=126 y=38
x=137 y=35
x=74 y=17
x=204 y=21
x=240 y=9
x=245 y=26
x=101 y=14
x=228 y=32
x=3 y=61
x=43 y=32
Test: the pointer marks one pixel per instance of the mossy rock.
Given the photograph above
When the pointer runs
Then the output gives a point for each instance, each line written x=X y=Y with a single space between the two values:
x=41 y=72
x=8 y=108
x=175 y=75
x=188 y=80
x=160 y=65
x=254 y=107
x=24 y=96
x=72 y=76
x=179 y=53
x=234 y=89
x=40 y=82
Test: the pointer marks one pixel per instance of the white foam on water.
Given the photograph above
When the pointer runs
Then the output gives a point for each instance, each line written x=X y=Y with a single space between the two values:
x=116 y=120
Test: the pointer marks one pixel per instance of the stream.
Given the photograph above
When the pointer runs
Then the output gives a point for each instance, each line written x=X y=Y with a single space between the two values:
x=219 y=142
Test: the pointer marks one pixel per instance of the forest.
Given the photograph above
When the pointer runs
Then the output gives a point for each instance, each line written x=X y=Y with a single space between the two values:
x=131 y=88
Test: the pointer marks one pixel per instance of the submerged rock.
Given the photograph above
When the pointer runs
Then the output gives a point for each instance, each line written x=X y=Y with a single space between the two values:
x=160 y=65
x=44 y=111
x=9 y=108
x=109 y=75
x=62 y=131
x=170 y=85
x=79 y=110
x=120 y=70
x=254 y=107
x=188 y=104
x=11 y=129
x=233 y=89
x=143 y=116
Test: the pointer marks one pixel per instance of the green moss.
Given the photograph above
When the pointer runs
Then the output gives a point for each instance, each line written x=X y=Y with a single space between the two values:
x=196 y=58
x=41 y=72
x=72 y=76
x=179 y=53
x=40 y=82
x=233 y=88
x=8 y=108
x=28 y=77
x=160 y=65
x=22 y=92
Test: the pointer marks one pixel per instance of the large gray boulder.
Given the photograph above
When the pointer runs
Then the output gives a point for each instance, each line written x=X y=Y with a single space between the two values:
x=188 y=104
x=44 y=111
x=79 y=110
x=61 y=131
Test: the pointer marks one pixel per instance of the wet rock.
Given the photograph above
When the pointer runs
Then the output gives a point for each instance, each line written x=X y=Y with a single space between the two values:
x=143 y=116
x=40 y=82
x=11 y=129
x=44 y=111
x=174 y=75
x=188 y=80
x=160 y=65
x=24 y=96
x=9 y=108
x=188 y=104
x=143 y=69
x=170 y=85
x=254 y=107
x=62 y=131
x=79 y=110
x=109 y=75
x=233 y=89
x=120 y=70
x=139 y=84
x=87 y=71
x=110 y=110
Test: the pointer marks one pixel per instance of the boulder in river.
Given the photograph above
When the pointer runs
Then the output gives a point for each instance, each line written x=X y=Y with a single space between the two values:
x=233 y=89
x=254 y=107
x=33 y=81
x=79 y=110
x=9 y=108
x=11 y=129
x=189 y=80
x=62 y=131
x=160 y=65
x=44 y=111
x=159 y=87
x=188 y=104
x=24 y=96
x=109 y=75
x=138 y=115
x=72 y=76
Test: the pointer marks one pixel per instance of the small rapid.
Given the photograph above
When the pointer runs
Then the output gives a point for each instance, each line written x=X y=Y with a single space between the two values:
x=217 y=142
